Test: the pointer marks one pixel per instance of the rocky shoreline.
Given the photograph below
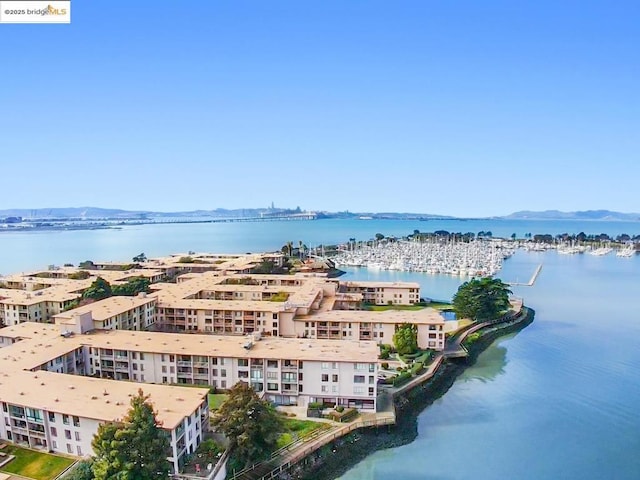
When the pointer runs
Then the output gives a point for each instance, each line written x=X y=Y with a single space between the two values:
x=336 y=458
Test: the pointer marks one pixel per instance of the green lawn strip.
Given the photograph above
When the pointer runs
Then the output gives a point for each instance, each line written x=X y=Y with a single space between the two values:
x=37 y=465
x=216 y=399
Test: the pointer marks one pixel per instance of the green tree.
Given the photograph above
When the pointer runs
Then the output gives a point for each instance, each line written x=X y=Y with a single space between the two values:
x=98 y=290
x=481 y=299
x=140 y=258
x=132 y=287
x=87 y=264
x=252 y=425
x=135 y=449
x=379 y=236
x=406 y=339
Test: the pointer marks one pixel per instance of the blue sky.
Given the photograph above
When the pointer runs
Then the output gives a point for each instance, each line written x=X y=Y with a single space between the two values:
x=468 y=108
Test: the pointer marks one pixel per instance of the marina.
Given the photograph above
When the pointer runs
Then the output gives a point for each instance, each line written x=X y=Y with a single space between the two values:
x=458 y=258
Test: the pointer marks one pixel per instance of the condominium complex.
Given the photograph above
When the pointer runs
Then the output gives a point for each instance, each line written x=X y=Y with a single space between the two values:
x=66 y=380
x=207 y=321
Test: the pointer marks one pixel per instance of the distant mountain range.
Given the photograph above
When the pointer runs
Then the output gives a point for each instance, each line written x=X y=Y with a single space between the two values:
x=582 y=215
x=94 y=213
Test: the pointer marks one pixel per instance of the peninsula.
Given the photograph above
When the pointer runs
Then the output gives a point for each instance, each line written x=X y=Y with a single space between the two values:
x=306 y=343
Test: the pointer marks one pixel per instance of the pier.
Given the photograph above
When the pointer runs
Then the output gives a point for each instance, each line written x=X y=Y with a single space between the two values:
x=534 y=277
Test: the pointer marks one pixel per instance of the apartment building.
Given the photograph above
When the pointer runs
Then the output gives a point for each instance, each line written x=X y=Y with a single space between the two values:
x=114 y=313
x=19 y=306
x=384 y=293
x=62 y=413
x=288 y=371
x=48 y=401
x=373 y=326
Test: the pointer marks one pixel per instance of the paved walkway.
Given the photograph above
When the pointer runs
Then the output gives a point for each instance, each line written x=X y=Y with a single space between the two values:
x=292 y=454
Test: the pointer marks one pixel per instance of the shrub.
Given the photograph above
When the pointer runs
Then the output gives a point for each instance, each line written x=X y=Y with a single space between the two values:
x=384 y=355
x=315 y=406
x=471 y=339
x=339 y=409
x=417 y=368
x=384 y=365
x=399 y=369
x=402 y=378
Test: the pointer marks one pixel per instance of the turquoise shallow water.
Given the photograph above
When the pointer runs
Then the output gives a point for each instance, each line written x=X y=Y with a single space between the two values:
x=559 y=400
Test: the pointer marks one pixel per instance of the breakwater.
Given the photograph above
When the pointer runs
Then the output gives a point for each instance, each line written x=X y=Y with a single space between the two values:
x=336 y=458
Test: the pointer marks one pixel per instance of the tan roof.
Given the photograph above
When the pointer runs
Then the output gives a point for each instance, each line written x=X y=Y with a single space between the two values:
x=85 y=396
x=371 y=284
x=427 y=316
x=232 y=346
x=29 y=330
x=107 y=308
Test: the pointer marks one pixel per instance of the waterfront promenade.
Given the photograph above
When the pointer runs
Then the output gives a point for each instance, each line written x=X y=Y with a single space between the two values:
x=281 y=460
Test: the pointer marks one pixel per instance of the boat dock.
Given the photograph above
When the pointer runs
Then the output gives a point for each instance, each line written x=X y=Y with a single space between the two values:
x=531 y=282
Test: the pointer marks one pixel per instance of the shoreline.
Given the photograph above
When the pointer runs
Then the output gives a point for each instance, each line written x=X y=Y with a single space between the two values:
x=338 y=457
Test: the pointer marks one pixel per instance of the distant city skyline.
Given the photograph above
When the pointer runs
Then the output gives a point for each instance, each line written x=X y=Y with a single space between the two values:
x=472 y=109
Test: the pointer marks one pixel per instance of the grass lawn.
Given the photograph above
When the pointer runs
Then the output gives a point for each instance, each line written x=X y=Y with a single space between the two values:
x=32 y=464
x=295 y=429
x=216 y=399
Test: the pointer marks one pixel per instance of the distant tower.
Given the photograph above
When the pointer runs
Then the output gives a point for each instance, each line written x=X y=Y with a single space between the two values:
x=273 y=207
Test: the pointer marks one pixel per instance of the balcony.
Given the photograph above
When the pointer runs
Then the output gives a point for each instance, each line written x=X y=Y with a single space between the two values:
x=182 y=363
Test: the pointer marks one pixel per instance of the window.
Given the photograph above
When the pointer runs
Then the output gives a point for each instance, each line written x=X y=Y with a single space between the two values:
x=272 y=387
x=334 y=365
x=334 y=378
x=272 y=375
x=67 y=434
x=334 y=389
x=54 y=432
x=76 y=421
x=358 y=379
x=79 y=450
x=164 y=369
x=324 y=388
x=65 y=419
x=69 y=449
x=52 y=417
x=243 y=362
x=325 y=377
x=77 y=436
x=360 y=366
x=223 y=372
x=358 y=390
x=325 y=365
x=141 y=356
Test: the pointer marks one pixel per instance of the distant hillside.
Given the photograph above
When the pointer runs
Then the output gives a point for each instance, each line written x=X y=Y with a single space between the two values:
x=582 y=215
x=110 y=213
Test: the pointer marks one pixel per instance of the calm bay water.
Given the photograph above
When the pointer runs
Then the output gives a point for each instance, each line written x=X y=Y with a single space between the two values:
x=22 y=251
x=559 y=400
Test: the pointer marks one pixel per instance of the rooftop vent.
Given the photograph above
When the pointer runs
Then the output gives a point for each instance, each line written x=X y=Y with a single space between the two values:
x=248 y=345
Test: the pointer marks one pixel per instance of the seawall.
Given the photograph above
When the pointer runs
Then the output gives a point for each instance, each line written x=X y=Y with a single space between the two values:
x=339 y=456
